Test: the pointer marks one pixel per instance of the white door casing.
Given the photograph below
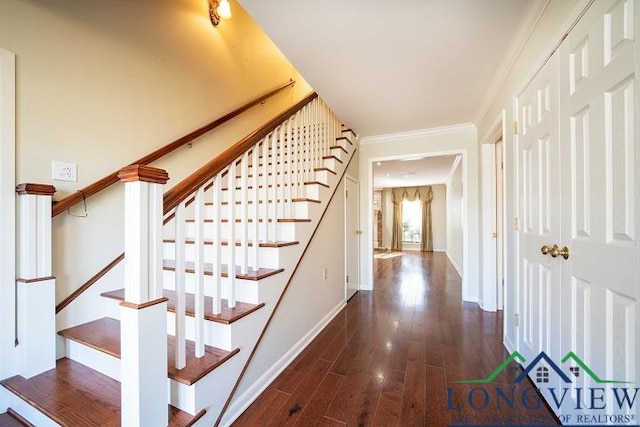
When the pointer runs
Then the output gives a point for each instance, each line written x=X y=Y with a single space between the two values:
x=599 y=183
x=7 y=213
x=537 y=150
x=352 y=236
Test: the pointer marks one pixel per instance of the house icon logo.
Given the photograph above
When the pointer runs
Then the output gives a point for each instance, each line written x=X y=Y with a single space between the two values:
x=541 y=368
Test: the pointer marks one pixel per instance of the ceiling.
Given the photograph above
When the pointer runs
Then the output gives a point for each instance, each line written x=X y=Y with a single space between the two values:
x=411 y=172
x=395 y=66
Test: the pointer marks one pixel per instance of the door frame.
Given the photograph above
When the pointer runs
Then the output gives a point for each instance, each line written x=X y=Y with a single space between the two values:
x=492 y=296
x=356 y=181
x=466 y=226
x=8 y=211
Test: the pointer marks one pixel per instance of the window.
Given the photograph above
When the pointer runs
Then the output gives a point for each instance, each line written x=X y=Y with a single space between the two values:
x=542 y=375
x=411 y=221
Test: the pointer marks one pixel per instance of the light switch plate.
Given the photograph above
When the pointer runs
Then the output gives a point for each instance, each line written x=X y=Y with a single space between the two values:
x=63 y=171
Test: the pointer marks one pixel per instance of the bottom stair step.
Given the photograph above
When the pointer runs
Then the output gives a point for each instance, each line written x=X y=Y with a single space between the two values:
x=104 y=335
x=13 y=419
x=73 y=395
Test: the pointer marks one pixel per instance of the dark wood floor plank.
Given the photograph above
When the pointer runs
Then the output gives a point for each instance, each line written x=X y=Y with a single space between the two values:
x=263 y=409
x=390 y=403
x=313 y=413
x=395 y=351
x=297 y=402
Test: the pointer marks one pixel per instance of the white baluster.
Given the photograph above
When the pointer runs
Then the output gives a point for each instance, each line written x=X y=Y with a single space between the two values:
x=231 y=245
x=286 y=170
x=217 y=244
x=180 y=311
x=244 y=209
x=265 y=187
x=199 y=272
x=255 y=215
x=274 y=186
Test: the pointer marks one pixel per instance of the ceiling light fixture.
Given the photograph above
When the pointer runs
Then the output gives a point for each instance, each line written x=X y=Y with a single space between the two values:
x=219 y=9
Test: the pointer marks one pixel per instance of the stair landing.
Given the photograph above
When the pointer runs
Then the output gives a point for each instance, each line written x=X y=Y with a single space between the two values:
x=104 y=335
x=74 y=395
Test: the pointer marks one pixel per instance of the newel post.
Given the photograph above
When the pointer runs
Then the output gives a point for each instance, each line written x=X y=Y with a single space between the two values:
x=36 y=293
x=143 y=313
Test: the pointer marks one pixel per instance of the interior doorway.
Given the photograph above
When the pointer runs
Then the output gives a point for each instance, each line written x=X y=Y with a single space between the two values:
x=418 y=205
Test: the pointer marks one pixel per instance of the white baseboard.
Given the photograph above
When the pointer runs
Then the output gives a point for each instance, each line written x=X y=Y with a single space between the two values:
x=454 y=264
x=240 y=404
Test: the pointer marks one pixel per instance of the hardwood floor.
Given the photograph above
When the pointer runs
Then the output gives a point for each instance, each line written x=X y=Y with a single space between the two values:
x=392 y=358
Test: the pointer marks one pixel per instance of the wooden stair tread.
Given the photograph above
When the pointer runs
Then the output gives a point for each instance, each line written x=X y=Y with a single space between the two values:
x=261 y=273
x=74 y=395
x=250 y=220
x=226 y=316
x=104 y=335
x=7 y=420
x=338 y=147
x=345 y=138
x=279 y=244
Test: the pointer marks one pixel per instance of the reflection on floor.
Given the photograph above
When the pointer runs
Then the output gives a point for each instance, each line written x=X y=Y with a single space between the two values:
x=394 y=356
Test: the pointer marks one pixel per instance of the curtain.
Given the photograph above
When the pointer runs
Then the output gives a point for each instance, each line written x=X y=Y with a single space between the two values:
x=426 y=240
x=396 y=230
x=425 y=195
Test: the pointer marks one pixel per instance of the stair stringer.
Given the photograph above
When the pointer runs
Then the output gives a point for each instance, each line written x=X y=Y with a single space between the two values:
x=214 y=390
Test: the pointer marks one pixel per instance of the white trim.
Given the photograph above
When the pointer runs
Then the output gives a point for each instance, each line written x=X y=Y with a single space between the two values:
x=8 y=362
x=455 y=265
x=356 y=181
x=242 y=402
x=532 y=15
x=416 y=134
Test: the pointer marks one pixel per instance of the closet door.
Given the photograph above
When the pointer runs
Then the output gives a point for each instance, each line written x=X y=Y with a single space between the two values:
x=600 y=193
x=538 y=152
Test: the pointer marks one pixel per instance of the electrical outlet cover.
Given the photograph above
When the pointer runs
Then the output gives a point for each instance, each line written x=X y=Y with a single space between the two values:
x=63 y=171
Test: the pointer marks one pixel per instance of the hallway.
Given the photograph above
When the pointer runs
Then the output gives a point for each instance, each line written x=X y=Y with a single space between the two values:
x=389 y=357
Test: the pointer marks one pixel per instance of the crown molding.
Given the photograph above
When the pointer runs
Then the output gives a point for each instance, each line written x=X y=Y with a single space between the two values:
x=532 y=15
x=415 y=134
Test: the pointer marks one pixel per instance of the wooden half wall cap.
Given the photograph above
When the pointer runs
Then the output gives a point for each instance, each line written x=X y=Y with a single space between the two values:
x=143 y=173
x=35 y=189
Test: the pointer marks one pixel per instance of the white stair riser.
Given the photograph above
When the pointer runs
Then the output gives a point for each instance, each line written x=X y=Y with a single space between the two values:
x=282 y=209
x=246 y=290
x=267 y=257
x=337 y=152
x=285 y=231
x=332 y=164
x=94 y=359
x=215 y=334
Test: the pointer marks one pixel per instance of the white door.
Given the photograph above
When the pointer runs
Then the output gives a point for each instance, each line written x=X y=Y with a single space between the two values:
x=352 y=236
x=600 y=187
x=539 y=214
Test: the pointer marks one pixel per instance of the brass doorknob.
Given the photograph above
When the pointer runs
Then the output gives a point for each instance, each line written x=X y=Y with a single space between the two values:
x=545 y=250
x=358 y=232
x=556 y=252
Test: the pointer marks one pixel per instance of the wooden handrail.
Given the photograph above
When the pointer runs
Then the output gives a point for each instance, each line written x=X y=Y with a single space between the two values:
x=190 y=184
x=96 y=187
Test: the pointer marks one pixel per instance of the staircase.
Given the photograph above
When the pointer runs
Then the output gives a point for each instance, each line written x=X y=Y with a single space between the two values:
x=221 y=263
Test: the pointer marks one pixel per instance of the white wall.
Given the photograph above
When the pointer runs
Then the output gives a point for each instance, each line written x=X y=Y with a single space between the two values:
x=450 y=140
x=554 y=22
x=455 y=218
x=101 y=84
x=308 y=305
x=438 y=218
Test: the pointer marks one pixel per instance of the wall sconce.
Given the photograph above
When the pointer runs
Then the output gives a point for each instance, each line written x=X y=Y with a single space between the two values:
x=219 y=9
